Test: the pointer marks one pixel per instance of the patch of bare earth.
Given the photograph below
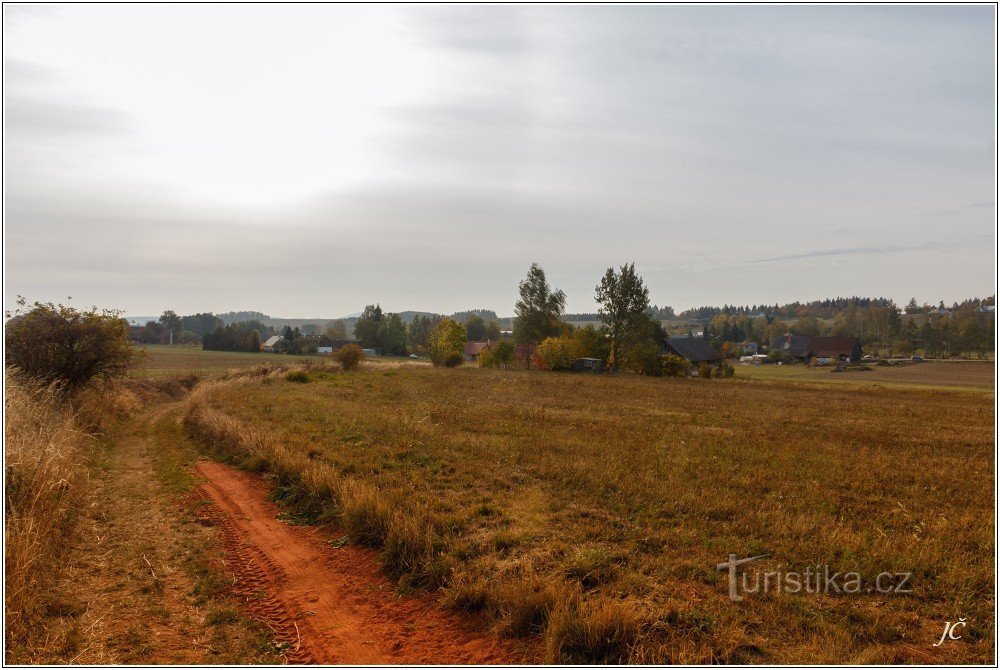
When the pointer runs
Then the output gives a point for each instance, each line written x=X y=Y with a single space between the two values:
x=331 y=603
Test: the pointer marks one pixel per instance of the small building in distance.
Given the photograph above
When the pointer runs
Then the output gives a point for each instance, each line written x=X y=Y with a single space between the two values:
x=846 y=349
x=692 y=349
x=324 y=345
x=270 y=342
x=588 y=365
x=796 y=346
x=472 y=349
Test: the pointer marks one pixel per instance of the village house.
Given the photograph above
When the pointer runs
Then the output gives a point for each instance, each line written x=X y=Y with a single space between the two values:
x=692 y=349
x=324 y=345
x=472 y=349
x=270 y=342
x=846 y=349
x=796 y=346
x=804 y=349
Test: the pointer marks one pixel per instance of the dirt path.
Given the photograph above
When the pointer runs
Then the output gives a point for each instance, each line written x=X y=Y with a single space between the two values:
x=144 y=582
x=331 y=605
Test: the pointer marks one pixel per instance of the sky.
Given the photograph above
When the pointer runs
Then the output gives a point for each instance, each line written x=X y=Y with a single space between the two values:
x=308 y=160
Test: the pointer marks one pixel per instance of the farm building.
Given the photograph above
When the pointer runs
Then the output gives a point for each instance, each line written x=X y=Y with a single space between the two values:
x=472 y=349
x=835 y=348
x=796 y=346
x=271 y=341
x=588 y=365
x=324 y=345
x=692 y=349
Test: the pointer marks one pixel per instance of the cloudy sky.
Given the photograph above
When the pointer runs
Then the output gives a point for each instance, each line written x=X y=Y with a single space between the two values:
x=307 y=160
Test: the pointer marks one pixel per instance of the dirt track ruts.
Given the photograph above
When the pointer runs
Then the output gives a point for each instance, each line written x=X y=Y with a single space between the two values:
x=330 y=605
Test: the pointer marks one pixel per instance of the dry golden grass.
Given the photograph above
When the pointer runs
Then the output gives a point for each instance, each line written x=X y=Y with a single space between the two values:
x=592 y=509
x=44 y=488
x=102 y=565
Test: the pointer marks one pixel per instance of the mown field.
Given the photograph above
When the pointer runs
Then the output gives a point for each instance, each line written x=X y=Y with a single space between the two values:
x=944 y=375
x=592 y=510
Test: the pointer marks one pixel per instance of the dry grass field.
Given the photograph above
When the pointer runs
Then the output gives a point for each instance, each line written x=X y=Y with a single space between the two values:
x=944 y=375
x=591 y=511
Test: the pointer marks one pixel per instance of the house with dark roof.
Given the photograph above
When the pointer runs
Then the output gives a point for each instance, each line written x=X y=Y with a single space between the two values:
x=692 y=349
x=324 y=345
x=835 y=348
x=796 y=346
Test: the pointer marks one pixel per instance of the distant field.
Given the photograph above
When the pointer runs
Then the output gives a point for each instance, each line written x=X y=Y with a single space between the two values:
x=940 y=374
x=592 y=510
x=163 y=360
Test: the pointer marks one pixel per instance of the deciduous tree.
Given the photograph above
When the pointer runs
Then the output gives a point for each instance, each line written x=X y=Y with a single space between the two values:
x=538 y=309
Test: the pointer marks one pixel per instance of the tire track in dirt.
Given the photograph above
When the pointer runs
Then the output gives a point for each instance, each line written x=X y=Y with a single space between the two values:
x=329 y=605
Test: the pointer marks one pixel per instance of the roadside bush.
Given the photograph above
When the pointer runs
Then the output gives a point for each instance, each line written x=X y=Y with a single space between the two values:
x=643 y=358
x=67 y=346
x=485 y=359
x=349 y=356
x=726 y=370
x=558 y=353
x=448 y=344
x=674 y=366
x=704 y=371
x=499 y=355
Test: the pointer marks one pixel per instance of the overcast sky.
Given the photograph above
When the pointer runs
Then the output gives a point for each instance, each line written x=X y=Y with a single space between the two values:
x=307 y=160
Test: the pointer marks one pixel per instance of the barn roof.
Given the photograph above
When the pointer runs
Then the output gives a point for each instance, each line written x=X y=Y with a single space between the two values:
x=274 y=339
x=473 y=348
x=796 y=345
x=828 y=347
x=693 y=349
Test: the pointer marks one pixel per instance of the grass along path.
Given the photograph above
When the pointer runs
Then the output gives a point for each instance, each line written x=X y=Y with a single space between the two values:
x=145 y=583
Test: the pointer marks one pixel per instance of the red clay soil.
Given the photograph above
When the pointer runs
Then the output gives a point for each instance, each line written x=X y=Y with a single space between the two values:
x=330 y=605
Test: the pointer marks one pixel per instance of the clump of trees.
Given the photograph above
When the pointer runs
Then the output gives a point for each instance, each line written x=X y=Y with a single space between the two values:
x=500 y=355
x=448 y=344
x=233 y=337
x=377 y=330
x=57 y=344
x=558 y=353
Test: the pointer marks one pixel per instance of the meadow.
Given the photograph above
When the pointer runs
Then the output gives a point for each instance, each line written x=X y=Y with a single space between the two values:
x=591 y=511
x=941 y=375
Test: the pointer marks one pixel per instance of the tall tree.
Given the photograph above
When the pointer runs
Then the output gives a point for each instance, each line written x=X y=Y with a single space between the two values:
x=336 y=330
x=623 y=300
x=475 y=328
x=392 y=335
x=171 y=321
x=420 y=333
x=366 y=328
x=536 y=314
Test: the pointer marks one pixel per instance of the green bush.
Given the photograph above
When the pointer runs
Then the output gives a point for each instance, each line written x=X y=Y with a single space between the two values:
x=726 y=370
x=558 y=353
x=448 y=344
x=297 y=376
x=67 y=346
x=704 y=371
x=644 y=358
x=674 y=366
x=499 y=355
x=349 y=356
